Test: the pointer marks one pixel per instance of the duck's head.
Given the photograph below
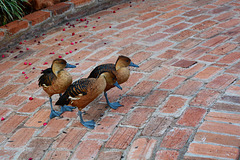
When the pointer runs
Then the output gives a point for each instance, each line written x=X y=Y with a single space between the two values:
x=124 y=61
x=111 y=79
x=60 y=64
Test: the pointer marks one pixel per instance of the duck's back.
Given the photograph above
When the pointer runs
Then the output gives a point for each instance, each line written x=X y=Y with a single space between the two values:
x=101 y=69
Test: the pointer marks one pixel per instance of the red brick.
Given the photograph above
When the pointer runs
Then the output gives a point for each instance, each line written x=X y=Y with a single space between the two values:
x=195 y=53
x=235 y=90
x=160 y=46
x=177 y=28
x=171 y=14
x=191 y=117
x=209 y=58
x=148 y=23
x=210 y=33
x=224 y=49
x=183 y=35
x=205 y=98
x=220 y=128
x=223 y=117
x=121 y=138
x=160 y=74
x=109 y=155
x=194 y=12
x=199 y=18
x=142 y=148
x=156 y=126
x=168 y=54
x=235 y=69
x=4 y=111
x=96 y=136
x=151 y=30
x=21 y=137
x=57 y=155
x=140 y=56
x=184 y=63
x=11 y=123
x=36 y=148
x=150 y=65
x=230 y=23
x=220 y=9
x=53 y=128
x=205 y=137
x=190 y=71
x=7 y=154
x=172 y=82
x=37 y=17
x=173 y=104
x=102 y=54
x=221 y=82
x=215 y=41
x=173 y=21
x=32 y=105
x=59 y=8
x=207 y=73
x=70 y=139
x=189 y=88
x=155 y=98
x=16 y=100
x=4 y=80
x=233 y=99
x=188 y=44
x=133 y=119
x=130 y=49
x=213 y=150
x=126 y=24
x=79 y=2
x=127 y=102
x=107 y=124
x=166 y=155
x=139 y=91
x=15 y=26
x=39 y=118
x=155 y=37
x=124 y=42
x=230 y=58
x=102 y=35
x=148 y=16
x=176 y=138
x=8 y=90
x=226 y=107
x=171 y=7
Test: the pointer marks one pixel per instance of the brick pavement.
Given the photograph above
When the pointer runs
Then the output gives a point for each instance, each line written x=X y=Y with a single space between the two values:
x=182 y=103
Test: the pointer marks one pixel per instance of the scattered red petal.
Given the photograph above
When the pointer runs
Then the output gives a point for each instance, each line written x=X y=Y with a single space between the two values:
x=110 y=26
x=72 y=43
x=2 y=119
x=55 y=39
x=73 y=34
x=3 y=56
x=70 y=51
x=81 y=19
x=114 y=11
x=66 y=53
x=53 y=52
x=94 y=27
x=34 y=68
x=29 y=158
x=44 y=124
x=27 y=48
x=85 y=26
x=59 y=56
x=61 y=39
x=63 y=29
x=25 y=63
x=26 y=77
x=75 y=42
x=23 y=72
x=20 y=42
x=29 y=63
x=59 y=44
x=45 y=63
x=30 y=98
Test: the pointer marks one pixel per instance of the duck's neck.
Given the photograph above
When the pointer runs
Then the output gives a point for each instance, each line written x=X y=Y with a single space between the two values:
x=56 y=69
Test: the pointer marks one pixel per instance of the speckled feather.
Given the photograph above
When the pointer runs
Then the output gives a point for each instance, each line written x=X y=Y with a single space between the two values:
x=101 y=69
x=47 y=78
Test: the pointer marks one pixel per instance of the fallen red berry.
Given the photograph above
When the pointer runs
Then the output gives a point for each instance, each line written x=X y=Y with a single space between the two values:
x=3 y=56
x=29 y=63
x=61 y=39
x=23 y=72
x=26 y=77
x=20 y=42
x=114 y=11
x=66 y=53
x=25 y=63
x=30 y=98
x=45 y=63
x=2 y=119
x=27 y=48
x=63 y=29
x=59 y=56
x=70 y=51
x=44 y=124
x=73 y=34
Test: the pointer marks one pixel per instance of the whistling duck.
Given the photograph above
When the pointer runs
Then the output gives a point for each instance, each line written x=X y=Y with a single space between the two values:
x=119 y=69
x=85 y=90
x=56 y=80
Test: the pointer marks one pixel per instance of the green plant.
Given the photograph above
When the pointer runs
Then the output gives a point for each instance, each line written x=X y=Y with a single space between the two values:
x=11 y=10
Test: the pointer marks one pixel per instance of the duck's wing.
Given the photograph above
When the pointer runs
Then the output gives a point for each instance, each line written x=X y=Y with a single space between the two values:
x=76 y=89
x=101 y=69
x=46 y=78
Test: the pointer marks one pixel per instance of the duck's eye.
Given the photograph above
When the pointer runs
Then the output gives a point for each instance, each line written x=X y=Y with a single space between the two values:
x=127 y=60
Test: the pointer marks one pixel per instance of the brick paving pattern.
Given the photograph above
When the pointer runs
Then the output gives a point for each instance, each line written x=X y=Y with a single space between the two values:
x=183 y=102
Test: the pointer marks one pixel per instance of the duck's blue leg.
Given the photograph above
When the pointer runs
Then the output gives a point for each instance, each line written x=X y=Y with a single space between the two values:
x=113 y=105
x=65 y=107
x=88 y=124
x=53 y=112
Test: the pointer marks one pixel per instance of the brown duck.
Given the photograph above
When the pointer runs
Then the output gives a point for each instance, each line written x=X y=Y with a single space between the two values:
x=85 y=90
x=56 y=80
x=119 y=69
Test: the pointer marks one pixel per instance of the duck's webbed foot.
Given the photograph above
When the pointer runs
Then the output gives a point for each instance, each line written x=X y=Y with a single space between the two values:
x=53 y=112
x=113 y=105
x=89 y=124
x=67 y=108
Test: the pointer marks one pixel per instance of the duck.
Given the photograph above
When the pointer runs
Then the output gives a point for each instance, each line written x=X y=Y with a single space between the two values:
x=56 y=80
x=84 y=91
x=120 y=71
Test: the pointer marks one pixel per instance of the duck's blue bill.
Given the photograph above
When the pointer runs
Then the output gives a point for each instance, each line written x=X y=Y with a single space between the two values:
x=70 y=66
x=133 y=65
x=117 y=85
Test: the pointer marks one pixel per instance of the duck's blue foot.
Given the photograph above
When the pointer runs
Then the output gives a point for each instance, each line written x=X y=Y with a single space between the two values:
x=67 y=108
x=88 y=124
x=113 y=105
x=53 y=112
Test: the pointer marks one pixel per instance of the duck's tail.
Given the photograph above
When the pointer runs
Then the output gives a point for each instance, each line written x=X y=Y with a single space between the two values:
x=63 y=100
